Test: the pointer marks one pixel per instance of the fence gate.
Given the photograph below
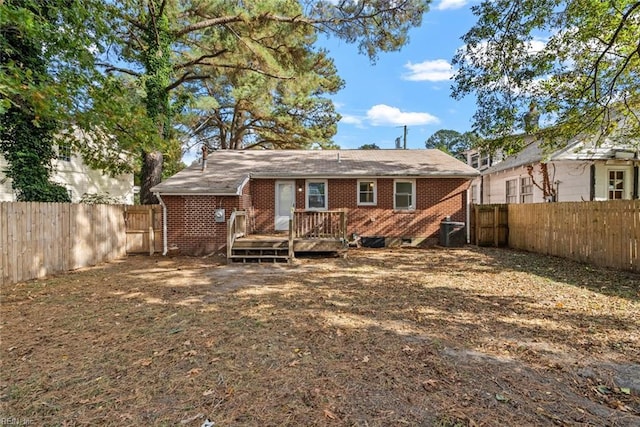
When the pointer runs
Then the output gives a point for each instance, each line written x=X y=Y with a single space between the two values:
x=491 y=225
x=144 y=229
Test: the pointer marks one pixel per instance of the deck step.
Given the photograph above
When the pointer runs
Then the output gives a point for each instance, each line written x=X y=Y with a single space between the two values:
x=259 y=258
x=260 y=244
x=275 y=251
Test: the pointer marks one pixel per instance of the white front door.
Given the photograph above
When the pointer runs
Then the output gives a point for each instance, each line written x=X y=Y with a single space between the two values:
x=285 y=200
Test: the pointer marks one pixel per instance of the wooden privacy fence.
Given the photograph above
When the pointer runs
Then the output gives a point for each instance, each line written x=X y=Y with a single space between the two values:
x=37 y=239
x=144 y=228
x=600 y=233
x=489 y=225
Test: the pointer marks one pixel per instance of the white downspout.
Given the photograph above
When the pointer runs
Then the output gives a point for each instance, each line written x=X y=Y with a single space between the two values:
x=164 y=225
x=468 y=226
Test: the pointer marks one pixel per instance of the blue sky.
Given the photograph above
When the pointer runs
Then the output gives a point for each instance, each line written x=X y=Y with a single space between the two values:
x=410 y=87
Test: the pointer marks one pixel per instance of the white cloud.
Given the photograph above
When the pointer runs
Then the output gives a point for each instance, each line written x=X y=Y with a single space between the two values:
x=536 y=46
x=451 y=4
x=432 y=71
x=380 y=115
x=351 y=120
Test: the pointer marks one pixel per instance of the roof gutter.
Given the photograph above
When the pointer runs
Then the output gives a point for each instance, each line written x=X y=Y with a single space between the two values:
x=360 y=176
x=164 y=225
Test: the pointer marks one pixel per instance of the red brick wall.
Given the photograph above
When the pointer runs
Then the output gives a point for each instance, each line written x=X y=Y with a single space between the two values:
x=263 y=198
x=192 y=230
x=435 y=198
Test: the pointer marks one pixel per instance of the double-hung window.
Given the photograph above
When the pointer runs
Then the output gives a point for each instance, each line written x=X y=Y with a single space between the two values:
x=616 y=185
x=526 y=190
x=367 y=192
x=404 y=195
x=475 y=160
x=512 y=191
x=317 y=195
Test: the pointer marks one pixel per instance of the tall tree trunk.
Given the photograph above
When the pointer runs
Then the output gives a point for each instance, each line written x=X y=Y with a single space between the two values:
x=157 y=61
x=151 y=175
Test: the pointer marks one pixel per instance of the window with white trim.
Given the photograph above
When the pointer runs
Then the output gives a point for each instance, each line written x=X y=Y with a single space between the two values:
x=404 y=195
x=526 y=190
x=475 y=160
x=367 y=190
x=616 y=185
x=484 y=160
x=316 y=195
x=511 y=191
x=474 y=194
x=64 y=151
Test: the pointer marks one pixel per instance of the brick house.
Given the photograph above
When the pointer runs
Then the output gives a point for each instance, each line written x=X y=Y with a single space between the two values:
x=396 y=195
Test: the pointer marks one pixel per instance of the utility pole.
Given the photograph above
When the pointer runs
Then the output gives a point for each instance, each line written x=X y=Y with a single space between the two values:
x=404 y=136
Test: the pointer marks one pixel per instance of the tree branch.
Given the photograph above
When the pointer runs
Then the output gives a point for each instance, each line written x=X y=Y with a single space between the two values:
x=110 y=69
x=200 y=59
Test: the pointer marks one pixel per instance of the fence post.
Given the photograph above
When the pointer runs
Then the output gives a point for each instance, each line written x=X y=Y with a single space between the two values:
x=476 y=228
x=496 y=226
x=152 y=242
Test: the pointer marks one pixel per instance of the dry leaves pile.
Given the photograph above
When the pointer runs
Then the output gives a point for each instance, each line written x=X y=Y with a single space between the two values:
x=460 y=337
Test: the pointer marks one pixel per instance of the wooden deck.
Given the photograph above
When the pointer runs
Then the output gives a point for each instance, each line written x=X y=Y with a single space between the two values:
x=309 y=232
x=275 y=248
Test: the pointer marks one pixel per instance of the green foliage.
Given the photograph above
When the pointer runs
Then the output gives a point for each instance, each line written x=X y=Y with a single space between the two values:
x=375 y=25
x=452 y=142
x=369 y=147
x=577 y=61
x=129 y=74
x=27 y=124
x=99 y=199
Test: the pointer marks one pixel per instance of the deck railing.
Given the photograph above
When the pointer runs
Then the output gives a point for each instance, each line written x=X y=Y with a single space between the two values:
x=236 y=227
x=319 y=225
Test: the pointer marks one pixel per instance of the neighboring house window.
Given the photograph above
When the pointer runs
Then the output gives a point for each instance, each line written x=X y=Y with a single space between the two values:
x=367 y=192
x=526 y=190
x=616 y=185
x=404 y=195
x=64 y=151
x=480 y=160
x=512 y=191
x=317 y=195
x=475 y=160
x=484 y=161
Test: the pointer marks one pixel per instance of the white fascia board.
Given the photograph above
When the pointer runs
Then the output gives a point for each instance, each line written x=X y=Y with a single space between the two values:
x=193 y=193
x=242 y=185
x=394 y=176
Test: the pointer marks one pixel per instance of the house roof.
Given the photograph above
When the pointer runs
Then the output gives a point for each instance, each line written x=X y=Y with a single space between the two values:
x=576 y=150
x=227 y=170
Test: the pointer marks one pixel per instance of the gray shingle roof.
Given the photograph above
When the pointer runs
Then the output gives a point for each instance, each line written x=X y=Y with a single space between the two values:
x=227 y=170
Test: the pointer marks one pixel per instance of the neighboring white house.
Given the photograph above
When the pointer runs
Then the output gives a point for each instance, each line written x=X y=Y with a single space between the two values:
x=70 y=171
x=581 y=171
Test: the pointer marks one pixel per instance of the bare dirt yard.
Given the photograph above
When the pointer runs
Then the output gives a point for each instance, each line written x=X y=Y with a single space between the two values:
x=456 y=337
